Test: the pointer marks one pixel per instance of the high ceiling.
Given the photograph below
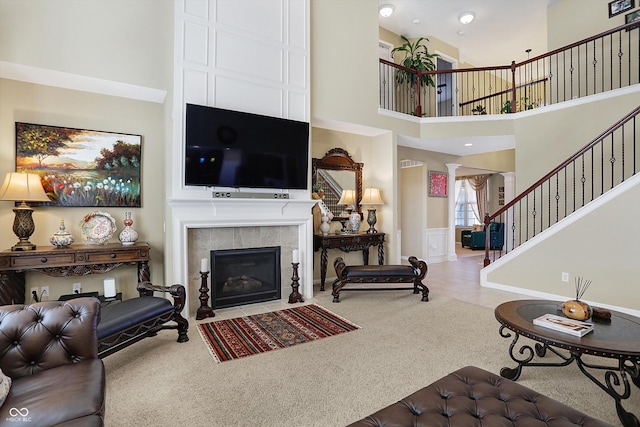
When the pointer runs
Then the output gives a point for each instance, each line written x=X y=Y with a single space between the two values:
x=501 y=32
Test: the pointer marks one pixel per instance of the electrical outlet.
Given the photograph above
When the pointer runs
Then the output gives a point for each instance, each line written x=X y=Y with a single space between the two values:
x=45 y=291
x=565 y=277
x=77 y=288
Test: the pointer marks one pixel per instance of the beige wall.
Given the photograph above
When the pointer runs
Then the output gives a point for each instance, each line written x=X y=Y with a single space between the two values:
x=547 y=139
x=344 y=60
x=563 y=28
x=412 y=210
x=127 y=42
x=124 y=41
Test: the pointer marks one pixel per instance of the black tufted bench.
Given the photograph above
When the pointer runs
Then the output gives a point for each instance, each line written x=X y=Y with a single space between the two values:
x=129 y=321
x=473 y=397
x=413 y=273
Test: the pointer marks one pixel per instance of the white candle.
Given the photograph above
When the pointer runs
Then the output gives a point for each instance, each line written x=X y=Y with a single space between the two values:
x=296 y=256
x=204 y=265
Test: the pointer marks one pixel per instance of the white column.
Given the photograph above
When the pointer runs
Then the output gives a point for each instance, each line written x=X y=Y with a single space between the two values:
x=451 y=232
x=509 y=195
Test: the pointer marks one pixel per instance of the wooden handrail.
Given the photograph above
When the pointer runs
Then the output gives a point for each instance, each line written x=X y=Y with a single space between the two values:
x=502 y=92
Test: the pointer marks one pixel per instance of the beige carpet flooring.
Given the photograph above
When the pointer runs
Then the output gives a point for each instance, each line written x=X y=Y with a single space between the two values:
x=404 y=344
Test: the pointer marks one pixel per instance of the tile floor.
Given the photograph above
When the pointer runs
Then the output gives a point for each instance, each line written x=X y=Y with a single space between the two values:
x=459 y=279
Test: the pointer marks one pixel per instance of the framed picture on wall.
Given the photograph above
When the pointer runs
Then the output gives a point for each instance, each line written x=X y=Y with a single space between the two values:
x=632 y=17
x=81 y=167
x=437 y=184
x=617 y=7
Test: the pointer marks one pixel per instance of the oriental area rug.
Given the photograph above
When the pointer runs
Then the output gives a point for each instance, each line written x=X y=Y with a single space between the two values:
x=245 y=336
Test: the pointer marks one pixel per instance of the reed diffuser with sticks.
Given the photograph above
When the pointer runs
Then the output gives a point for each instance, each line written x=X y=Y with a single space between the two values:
x=577 y=309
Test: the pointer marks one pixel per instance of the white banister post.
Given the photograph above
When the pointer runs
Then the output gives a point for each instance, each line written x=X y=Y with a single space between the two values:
x=451 y=195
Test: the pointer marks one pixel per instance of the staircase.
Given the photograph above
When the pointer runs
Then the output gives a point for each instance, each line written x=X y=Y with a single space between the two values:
x=609 y=160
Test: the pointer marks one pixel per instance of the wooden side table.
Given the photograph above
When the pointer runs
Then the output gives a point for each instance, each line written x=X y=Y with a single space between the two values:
x=74 y=260
x=347 y=243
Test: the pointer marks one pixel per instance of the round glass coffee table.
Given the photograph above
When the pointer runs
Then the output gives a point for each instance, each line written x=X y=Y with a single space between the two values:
x=617 y=338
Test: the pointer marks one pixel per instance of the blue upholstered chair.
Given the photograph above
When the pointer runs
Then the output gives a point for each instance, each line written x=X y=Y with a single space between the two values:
x=476 y=239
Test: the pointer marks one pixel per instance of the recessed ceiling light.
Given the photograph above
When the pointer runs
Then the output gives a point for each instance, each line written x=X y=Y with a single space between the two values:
x=416 y=21
x=466 y=17
x=386 y=10
x=468 y=144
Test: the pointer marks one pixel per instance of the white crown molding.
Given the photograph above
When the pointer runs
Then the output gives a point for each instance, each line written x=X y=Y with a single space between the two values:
x=44 y=76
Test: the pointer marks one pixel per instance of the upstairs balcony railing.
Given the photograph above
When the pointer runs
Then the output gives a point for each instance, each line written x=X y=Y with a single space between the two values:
x=607 y=161
x=604 y=62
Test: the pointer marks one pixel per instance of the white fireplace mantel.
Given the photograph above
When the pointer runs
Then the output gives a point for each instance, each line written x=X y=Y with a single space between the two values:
x=238 y=212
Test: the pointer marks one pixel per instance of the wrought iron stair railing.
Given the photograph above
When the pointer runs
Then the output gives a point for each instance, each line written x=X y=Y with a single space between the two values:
x=601 y=63
x=608 y=160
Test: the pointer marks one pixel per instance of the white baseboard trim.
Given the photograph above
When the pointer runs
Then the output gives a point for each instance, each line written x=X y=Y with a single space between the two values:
x=554 y=297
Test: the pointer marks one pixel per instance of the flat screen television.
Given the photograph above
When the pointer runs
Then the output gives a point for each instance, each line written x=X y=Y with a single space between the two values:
x=226 y=148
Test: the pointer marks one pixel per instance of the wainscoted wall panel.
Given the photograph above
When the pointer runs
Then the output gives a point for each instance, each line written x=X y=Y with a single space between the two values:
x=298 y=28
x=196 y=36
x=198 y=87
x=233 y=93
x=237 y=54
x=197 y=8
x=297 y=70
x=263 y=19
x=296 y=104
x=437 y=244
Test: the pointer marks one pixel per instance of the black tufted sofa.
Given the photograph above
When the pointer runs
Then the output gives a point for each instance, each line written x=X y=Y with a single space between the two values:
x=473 y=397
x=50 y=351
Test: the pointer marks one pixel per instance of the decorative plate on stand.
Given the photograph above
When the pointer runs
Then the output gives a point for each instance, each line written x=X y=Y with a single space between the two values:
x=97 y=227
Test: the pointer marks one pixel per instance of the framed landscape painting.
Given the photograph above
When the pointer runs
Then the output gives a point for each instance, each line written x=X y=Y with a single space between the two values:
x=437 y=184
x=81 y=167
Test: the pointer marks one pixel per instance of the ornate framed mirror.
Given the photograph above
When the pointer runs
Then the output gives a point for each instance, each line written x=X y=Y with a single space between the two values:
x=332 y=174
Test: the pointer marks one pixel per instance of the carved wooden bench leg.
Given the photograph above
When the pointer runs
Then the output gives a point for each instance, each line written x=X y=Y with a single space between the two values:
x=131 y=320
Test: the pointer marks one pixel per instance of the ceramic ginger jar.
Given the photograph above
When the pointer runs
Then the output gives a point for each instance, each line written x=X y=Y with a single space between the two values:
x=61 y=238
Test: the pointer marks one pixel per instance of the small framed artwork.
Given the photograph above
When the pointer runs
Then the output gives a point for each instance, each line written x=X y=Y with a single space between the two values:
x=437 y=184
x=632 y=17
x=81 y=167
x=616 y=7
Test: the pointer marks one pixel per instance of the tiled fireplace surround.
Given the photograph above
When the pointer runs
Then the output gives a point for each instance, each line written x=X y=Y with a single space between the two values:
x=199 y=226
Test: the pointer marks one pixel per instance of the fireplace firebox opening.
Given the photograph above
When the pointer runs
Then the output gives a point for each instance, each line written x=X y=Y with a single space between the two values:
x=245 y=276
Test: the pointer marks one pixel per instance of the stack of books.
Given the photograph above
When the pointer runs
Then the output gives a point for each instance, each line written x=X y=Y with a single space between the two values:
x=563 y=324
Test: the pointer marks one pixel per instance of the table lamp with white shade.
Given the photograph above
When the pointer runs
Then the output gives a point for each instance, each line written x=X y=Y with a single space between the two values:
x=371 y=198
x=23 y=187
x=348 y=198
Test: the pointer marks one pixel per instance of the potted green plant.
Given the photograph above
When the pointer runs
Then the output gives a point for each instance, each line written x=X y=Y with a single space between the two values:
x=417 y=58
x=506 y=107
x=479 y=110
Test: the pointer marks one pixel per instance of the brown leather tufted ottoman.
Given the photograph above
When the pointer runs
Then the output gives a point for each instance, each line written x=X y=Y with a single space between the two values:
x=473 y=397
